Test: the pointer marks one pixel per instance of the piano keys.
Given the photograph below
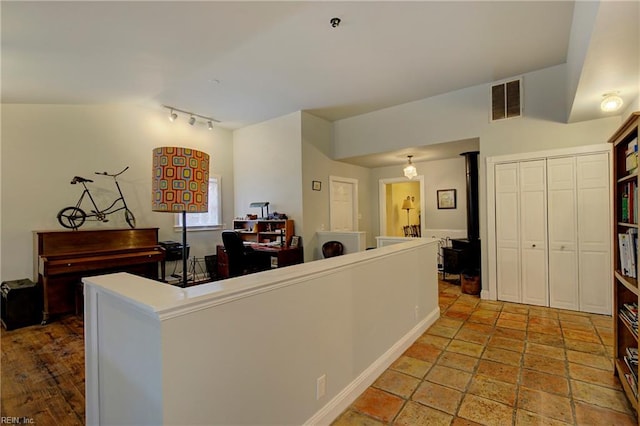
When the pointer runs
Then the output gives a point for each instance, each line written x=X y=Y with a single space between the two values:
x=62 y=258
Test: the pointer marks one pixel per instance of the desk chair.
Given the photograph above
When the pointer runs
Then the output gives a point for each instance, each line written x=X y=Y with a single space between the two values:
x=332 y=248
x=242 y=260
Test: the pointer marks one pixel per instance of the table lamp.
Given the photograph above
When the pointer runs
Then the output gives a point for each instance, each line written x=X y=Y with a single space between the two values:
x=180 y=185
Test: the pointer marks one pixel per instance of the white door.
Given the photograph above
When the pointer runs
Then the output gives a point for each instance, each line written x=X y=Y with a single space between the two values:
x=563 y=233
x=343 y=208
x=507 y=232
x=594 y=233
x=533 y=231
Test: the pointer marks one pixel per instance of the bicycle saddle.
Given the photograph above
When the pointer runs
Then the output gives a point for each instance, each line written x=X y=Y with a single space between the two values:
x=77 y=179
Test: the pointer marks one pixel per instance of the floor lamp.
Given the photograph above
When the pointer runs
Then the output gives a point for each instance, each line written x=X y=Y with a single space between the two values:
x=180 y=185
x=407 y=205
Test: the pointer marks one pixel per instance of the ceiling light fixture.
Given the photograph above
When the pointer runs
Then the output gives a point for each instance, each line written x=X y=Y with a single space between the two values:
x=611 y=102
x=410 y=170
x=192 y=116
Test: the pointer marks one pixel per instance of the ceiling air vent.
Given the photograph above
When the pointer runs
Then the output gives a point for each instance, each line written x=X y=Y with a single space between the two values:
x=506 y=100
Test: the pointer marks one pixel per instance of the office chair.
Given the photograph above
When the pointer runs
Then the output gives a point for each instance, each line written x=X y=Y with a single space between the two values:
x=332 y=248
x=242 y=260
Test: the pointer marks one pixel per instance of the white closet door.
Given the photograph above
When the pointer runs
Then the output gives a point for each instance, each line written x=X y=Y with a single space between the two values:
x=507 y=232
x=563 y=229
x=594 y=233
x=533 y=229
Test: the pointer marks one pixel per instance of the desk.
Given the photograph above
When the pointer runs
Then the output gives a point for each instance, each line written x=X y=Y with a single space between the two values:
x=270 y=257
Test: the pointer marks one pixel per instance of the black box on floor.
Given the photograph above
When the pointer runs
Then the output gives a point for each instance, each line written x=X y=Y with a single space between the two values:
x=21 y=304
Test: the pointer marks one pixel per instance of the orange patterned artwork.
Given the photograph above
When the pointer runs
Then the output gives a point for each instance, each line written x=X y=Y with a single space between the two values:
x=180 y=180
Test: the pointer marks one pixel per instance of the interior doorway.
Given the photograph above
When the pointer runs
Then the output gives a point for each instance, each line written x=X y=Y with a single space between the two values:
x=401 y=204
x=343 y=207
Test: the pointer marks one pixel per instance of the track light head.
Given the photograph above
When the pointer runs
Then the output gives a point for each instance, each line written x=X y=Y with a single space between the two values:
x=192 y=116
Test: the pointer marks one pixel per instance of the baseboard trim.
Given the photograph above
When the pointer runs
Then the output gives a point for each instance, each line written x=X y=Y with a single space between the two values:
x=327 y=414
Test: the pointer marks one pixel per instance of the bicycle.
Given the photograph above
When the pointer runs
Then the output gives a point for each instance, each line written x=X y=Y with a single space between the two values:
x=73 y=217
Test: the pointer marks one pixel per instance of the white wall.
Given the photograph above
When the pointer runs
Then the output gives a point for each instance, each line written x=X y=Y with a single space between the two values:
x=268 y=167
x=438 y=174
x=249 y=350
x=318 y=165
x=44 y=146
x=464 y=114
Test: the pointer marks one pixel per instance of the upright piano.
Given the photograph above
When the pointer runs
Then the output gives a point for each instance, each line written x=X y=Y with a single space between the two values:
x=62 y=258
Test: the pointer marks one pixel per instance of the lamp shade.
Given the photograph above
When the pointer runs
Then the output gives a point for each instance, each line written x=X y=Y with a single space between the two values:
x=180 y=180
x=407 y=204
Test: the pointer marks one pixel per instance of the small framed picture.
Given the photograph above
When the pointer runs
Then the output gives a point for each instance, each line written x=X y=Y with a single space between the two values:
x=316 y=185
x=446 y=198
x=295 y=241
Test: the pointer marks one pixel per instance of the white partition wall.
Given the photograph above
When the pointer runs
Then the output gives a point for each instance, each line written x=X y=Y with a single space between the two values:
x=251 y=350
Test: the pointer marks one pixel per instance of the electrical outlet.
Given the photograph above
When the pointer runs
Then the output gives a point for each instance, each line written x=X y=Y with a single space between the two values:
x=321 y=386
x=417 y=311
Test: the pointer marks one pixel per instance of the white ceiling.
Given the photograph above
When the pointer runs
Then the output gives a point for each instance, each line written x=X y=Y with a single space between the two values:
x=246 y=62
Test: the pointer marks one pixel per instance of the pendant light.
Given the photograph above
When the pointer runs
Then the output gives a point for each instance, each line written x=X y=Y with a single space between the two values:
x=410 y=170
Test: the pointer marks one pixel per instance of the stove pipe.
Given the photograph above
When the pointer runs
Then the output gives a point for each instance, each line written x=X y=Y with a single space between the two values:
x=473 y=213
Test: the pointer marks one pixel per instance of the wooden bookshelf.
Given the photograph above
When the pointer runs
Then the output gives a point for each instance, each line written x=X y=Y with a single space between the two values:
x=263 y=230
x=625 y=255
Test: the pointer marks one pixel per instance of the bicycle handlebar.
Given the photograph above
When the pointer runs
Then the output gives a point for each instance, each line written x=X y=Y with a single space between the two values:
x=117 y=174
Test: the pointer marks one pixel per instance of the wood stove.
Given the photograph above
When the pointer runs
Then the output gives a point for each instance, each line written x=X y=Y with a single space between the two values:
x=467 y=250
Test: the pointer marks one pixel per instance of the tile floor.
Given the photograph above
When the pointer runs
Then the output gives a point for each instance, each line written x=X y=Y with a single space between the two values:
x=498 y=363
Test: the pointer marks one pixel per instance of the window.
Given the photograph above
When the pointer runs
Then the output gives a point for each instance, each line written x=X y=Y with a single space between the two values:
x=213 y=218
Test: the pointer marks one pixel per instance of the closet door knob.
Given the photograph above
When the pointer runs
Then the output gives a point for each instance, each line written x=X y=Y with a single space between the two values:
x=533 y=245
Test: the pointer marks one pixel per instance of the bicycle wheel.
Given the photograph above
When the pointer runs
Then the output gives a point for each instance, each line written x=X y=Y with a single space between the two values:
x=130 y=218
x=71 y=217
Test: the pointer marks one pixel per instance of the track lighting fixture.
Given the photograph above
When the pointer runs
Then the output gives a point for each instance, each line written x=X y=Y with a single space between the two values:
x=192 y=116
x=410 y=170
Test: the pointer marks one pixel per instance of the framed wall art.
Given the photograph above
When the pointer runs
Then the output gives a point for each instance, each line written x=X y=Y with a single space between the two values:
x=446 y=198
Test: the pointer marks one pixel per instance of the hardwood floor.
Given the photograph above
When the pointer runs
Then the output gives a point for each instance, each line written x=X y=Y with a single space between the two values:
x=43 y=373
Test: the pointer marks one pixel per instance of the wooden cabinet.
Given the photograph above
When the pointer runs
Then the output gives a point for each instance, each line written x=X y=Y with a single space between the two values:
x=262 y=231
x=625 y=281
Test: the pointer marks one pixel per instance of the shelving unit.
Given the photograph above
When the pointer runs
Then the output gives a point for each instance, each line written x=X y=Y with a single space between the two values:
x=262 y=230
x=625 y=282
